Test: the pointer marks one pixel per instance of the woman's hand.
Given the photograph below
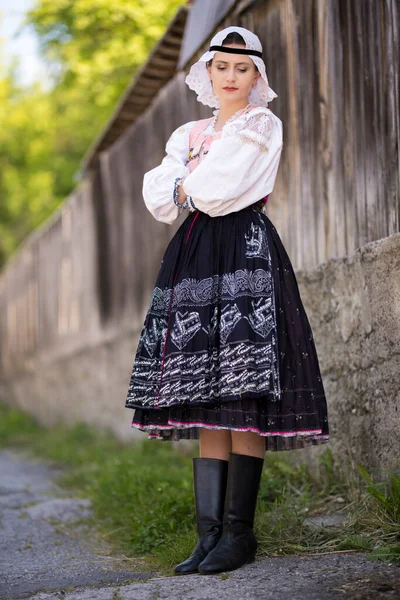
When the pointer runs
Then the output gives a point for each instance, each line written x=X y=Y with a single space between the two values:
x=182 y=195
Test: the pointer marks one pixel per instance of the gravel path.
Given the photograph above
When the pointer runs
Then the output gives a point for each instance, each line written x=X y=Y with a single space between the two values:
x=43 y=556
x=39 y=549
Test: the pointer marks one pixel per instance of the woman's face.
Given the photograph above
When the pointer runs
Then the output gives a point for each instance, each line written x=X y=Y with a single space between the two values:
x=232 y=75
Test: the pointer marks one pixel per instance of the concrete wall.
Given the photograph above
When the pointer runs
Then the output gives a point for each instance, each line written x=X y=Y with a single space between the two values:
x=353 y=305
x=354 y=309
x=88 y=386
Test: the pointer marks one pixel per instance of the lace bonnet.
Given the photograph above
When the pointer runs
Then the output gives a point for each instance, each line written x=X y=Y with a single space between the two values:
x=198 y=79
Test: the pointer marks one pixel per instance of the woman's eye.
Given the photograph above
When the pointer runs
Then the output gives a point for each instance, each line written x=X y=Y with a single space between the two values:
x=223 y=69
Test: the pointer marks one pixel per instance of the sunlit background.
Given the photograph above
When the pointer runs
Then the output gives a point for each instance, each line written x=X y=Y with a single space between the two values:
x=19 y=43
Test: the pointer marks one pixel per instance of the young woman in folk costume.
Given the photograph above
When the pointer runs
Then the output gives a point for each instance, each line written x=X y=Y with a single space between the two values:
x=226 y=354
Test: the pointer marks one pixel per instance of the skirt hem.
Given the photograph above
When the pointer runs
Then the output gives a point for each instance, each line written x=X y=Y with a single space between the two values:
x=274 y=440
x=178 y=425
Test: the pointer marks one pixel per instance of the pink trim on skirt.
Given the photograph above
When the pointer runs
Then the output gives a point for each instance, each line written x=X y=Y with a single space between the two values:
x=181 y=425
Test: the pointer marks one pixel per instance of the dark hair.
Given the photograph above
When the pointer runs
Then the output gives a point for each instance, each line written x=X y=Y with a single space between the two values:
x=232 y=38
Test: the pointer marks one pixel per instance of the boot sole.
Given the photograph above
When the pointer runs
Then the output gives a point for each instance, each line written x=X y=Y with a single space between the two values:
x=186 y=573
x=248 y=561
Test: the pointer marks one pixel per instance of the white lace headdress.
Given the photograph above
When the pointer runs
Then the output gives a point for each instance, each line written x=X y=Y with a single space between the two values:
x=198 y=79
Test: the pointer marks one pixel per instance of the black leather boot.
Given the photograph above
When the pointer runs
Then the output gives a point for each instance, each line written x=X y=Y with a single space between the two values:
x=210 y=477
x=238 y=544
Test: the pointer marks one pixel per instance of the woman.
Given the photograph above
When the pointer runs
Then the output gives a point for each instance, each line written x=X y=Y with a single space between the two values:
x=226 y=354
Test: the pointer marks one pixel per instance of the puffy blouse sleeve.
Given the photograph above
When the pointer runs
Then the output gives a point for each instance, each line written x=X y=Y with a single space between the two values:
x=240 y=167
x=158 y=184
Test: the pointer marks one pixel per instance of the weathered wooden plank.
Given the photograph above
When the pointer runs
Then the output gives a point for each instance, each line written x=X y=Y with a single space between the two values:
x=326 y=134
x=367 y=13
x=306 y=98
x=336 y=58
x=359 y=123
x=292 y=127
x=380 y=200
x=392 y=121
x=347 y=116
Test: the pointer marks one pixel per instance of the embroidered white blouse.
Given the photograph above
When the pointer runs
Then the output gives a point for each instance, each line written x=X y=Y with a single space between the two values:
x=239 y=169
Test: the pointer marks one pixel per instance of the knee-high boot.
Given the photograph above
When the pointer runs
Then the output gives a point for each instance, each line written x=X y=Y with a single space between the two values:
x=210 y=477
x=238 y=544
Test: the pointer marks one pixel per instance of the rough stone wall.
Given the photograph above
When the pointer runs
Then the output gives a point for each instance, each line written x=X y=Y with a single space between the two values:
x=353 y=305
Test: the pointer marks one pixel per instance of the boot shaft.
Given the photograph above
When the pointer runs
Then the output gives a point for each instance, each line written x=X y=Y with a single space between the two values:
x=244 y=477
x=210 y=479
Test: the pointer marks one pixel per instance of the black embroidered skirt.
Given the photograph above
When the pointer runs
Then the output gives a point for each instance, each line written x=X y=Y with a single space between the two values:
x=226 y=343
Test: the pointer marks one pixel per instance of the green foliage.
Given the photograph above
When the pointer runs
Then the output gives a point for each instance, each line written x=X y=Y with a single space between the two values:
x=146 y=494
x=387 y=553
x=386 y=494
x=93 y=49
x=16 y=427
x=97 y=45
x=26 y=173
x=175 y=551
x=355 y=542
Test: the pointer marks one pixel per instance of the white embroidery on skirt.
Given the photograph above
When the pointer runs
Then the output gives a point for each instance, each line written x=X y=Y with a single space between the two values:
x=151 y=335
x=230 y=316
x=185 y=328
x=190 y=378
x=201 y=292
x=261 y=318
x=256 y=242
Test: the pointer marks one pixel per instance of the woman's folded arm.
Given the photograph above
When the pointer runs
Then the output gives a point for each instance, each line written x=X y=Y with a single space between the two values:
x=158 y=184
x=240 y=168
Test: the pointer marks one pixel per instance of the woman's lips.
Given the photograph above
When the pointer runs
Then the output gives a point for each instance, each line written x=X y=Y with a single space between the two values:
x=230 y=89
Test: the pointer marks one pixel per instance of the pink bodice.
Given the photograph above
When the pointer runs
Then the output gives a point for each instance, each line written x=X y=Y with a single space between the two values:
x=200 y=143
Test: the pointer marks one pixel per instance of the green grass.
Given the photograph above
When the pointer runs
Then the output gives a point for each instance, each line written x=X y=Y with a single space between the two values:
x=142 y=496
